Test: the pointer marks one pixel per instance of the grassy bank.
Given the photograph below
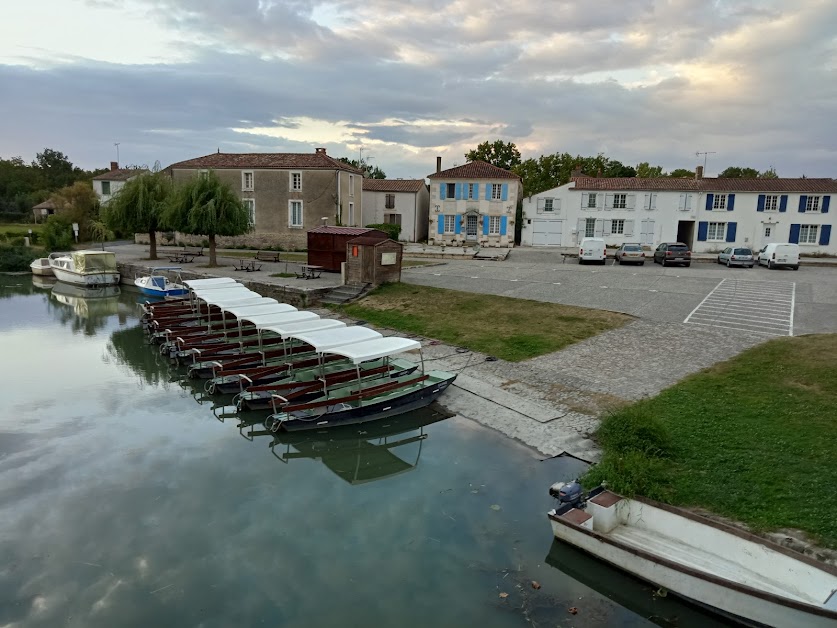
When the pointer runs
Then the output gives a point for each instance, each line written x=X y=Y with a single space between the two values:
x=17 y=258
x=753 y=439
x=511 y=329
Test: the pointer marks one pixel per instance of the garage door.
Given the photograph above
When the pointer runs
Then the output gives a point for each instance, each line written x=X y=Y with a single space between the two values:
x=546 y=232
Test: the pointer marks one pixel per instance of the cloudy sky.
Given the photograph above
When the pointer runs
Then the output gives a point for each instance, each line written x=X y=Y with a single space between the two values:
x=639 y=80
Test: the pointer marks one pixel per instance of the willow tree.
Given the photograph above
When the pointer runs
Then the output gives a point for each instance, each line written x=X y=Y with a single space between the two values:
x=206 y=206
x=139 y=207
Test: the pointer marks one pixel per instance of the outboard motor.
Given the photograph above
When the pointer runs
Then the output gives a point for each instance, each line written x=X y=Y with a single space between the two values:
x=569 y=493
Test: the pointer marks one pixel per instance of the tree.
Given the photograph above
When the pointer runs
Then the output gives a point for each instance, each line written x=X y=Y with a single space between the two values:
x=77 y=203
x=99 y=232
x=206 y=206
x=680 y=173
x=737 y=172
x=498 y=153
x=57 y=170
x=139 y=207
x=369 y=171
x=770 y=173
x=646 y=171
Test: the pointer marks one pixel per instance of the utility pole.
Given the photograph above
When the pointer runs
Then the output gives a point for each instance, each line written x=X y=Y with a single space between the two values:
x=705 y=153
x=117 y=152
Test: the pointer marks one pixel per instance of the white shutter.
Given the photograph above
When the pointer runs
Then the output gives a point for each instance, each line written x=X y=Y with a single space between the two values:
x=540 y=205
x=688 y=201
x=608 y=201
x=582 y=223
x=629 y=228
x=646 y=204
x=654 y=200
x=607 y=228
x=631 y=201
x=597 y=230
x=584 y=196
x=683 y=200
x=556 y=204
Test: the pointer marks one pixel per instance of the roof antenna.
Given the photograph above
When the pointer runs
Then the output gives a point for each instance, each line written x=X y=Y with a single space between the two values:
x=219 y=150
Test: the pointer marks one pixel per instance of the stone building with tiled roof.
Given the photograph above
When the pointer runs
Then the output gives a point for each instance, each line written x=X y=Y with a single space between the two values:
x=107 y=184
x=286 y=193
x=707 y=214
x=404 y=202
x=473 y=204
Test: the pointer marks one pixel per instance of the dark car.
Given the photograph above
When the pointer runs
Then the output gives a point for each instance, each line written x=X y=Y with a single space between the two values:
x=673 y=253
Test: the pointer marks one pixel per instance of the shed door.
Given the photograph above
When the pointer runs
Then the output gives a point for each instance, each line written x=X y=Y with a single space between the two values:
x=546 y=232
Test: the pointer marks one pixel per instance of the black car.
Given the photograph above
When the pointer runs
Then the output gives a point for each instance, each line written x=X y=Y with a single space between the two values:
x=673 y=253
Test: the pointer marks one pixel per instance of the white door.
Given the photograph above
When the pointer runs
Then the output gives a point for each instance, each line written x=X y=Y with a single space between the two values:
x=768 y=233
x=646 y=232
x=546 y=232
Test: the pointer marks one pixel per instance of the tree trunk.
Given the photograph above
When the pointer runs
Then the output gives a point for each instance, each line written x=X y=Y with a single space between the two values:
x=152 y=244
x=212 y=261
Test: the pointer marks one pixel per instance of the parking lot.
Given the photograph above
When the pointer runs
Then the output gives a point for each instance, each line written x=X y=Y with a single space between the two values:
x=757 y=300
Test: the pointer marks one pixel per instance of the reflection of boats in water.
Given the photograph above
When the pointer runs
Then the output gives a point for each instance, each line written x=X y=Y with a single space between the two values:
x=88 y=302
x=632 y=593
x=43 y=282
x=359 y=454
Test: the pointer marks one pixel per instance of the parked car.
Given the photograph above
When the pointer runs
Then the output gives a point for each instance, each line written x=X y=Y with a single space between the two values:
x=673 y=253
x=776 y=255
x=592 y=250
x=630 y=253
x=737 y=256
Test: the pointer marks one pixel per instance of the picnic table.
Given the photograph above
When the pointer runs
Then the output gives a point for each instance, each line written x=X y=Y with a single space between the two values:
x=247 y=264
x=309 y=271
x=187 y=255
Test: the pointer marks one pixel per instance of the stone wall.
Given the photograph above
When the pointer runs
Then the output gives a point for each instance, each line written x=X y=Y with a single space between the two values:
x=285 y=241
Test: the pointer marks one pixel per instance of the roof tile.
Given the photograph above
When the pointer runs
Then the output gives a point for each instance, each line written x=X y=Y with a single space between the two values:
x=122 y=174
x=474 y=170
x=264 y=161
x=706 y=185
x=393 y=185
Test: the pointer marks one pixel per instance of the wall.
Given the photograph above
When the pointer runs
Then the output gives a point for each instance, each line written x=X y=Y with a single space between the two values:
x=367 y=267
x=485 y=208
x=411 y=206
x=115 y=186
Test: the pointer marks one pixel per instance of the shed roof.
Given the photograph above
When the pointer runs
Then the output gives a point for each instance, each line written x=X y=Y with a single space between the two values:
x=47 y=204
x=367 y=240
x=393 y=185
x=341 y=230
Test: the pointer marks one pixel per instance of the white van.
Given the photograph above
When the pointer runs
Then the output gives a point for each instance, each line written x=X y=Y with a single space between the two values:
x=776 y=255
x=592 y=250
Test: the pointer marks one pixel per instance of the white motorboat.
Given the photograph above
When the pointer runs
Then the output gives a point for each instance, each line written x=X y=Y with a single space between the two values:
x=86 y=268
x=158 y=285
x=724 y=568
x=42 y=266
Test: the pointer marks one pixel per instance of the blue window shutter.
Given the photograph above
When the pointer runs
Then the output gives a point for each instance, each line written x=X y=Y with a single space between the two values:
x=504 y=221
x=504 y=194
x=760 y=206
x=457 y=191
x=732 y=227
x=710 y=198
x=476 y=191
x=442 y=191
x=485 y=221
x=488 y=191
x=457 y=224
x=783 y=203
x=826 y=201
x=794 y=234
x=825 y=235
x=803 y=201
x=441 y=223
x=730 y=202
x=703 y=227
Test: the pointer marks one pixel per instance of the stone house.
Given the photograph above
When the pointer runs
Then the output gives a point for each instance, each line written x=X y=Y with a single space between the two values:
x=403 y=202
x=107 y=184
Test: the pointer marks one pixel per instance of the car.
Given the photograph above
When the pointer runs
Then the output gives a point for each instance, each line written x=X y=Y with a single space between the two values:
x=775 y=255
x=630 y=253
x=737 y=256
x=673 y=253
x=592 y=250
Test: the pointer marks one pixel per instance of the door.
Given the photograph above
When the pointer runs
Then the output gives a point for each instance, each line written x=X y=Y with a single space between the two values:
x=686 y=232
x=768 y=234
x=546 y=232
x=471 y=226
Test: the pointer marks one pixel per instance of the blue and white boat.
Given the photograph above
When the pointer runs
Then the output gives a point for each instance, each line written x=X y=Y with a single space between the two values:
x=158 y=285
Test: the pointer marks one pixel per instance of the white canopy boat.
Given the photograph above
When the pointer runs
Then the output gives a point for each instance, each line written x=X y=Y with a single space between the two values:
x=715 y=565
x=42 y=266
x=86 y=268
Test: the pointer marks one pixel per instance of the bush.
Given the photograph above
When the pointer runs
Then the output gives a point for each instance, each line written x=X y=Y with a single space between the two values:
x=634 y=429
x=629 y=474
x=57 y=234
x=393 y=231
x=16 y=258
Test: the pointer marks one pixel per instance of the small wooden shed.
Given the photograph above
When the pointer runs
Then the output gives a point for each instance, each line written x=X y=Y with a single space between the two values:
x=373 y=261
x=327 y=245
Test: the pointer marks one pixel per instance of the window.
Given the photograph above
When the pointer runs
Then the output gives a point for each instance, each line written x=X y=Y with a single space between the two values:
x=250 y=204
x=390 y=201
x=203 y=174
x=351 y=185
x=591 y=201
x=472 y=191
x=620 y=201
x=296 y=181
x=808 y=233
x=351 y=214
x=450 y=193
x=494 y=225
x=105 y=188
x=719 y=202
x=496 y=191
x=450 y=223
x=617 y=227
x=767 y=232
x=771 y=203
x=590 y=228
x=295 y=213
x=392 y=219
x=813 y=204
x=247 y=181
x=547 y=204
x=716 y=231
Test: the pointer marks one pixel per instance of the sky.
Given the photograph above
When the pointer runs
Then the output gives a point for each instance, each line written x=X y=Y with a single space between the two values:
x=401 y=81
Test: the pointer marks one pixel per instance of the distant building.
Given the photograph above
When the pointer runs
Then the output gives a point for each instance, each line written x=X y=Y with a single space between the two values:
x=109 y=183
x=44 y=210
x=403 y=202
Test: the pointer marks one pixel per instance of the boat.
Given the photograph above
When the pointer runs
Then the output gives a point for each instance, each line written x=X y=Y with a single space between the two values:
x=734 y=573
x=158 y=285
x=42 y=266
x=86 y=268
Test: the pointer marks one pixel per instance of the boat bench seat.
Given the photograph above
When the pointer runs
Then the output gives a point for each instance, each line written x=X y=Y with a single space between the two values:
x=701 y=560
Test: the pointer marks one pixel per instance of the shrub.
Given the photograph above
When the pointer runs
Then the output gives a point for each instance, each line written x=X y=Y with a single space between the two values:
x=393 y=231
x=629 y=474
x=16 y=258
x=58 y=234
x=634 y=429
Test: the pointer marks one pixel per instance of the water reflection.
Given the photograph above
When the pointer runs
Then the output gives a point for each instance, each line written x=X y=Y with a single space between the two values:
x=128 y=347
x=85 y=309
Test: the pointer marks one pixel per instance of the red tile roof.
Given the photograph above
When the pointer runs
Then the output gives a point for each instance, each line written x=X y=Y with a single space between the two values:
x=474 y=170
x=264 y=161
x=706 y=185
x=122 y=174
x=393 y=185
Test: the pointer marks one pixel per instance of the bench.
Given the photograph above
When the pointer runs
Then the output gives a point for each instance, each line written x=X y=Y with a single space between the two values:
x=308 y=271
x=247 y=264
x=187 y=255
x=268 y=256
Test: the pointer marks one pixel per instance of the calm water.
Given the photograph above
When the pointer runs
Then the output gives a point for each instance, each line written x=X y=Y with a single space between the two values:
x=125 y=501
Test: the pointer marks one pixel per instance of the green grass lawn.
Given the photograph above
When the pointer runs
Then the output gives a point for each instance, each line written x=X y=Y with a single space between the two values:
x=20 y=228
x=511 y=329
x=753 y=439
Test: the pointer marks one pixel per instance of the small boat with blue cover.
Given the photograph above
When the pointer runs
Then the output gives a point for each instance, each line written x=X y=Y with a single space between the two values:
x=158 y=285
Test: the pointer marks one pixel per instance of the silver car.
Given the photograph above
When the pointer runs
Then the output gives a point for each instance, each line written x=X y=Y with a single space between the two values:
x=630 y=253
x=736 y=256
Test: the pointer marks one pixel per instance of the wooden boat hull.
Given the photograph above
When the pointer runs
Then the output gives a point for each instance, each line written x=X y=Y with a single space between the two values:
x=701 y=582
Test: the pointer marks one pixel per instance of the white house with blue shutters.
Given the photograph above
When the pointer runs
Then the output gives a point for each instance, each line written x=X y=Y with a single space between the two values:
x=706 y=214
x=473 y=204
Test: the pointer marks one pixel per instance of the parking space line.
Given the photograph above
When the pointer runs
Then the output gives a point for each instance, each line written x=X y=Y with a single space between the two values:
x=720 y=283
x=752 y=306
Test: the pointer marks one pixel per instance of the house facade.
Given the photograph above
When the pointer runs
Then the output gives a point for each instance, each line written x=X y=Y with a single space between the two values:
x=106 y=185
x=473 y=204
x=706 y=214
x=286 y=193
x=404 y=202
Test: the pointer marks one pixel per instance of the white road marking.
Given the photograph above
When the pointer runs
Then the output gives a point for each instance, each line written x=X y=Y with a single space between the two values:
x=763 y=307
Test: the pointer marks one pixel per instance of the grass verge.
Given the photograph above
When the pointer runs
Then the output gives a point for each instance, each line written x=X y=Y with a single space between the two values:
x=753 y=439
x=511 y=329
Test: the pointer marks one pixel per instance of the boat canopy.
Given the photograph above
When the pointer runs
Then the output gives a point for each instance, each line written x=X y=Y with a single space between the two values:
x=230 y=297
x=265 y=321
x=157 y=269
x=94 y=261
x=213 y=281
x=328 y=338
x=284 y=329
x=263 y=306
x=377 y=348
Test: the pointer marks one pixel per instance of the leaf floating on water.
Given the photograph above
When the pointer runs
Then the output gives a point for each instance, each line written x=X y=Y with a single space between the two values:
x=495 y=507
x=475 y=491
x=504 y=595
x=573 y=610
x=536 y=585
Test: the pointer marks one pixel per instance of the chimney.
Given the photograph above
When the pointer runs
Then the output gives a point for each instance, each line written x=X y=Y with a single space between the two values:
x=325 y=221
x=438 y=164
x=576 y=171
x=699 y=172
x=114 y=165
x=321 y=151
